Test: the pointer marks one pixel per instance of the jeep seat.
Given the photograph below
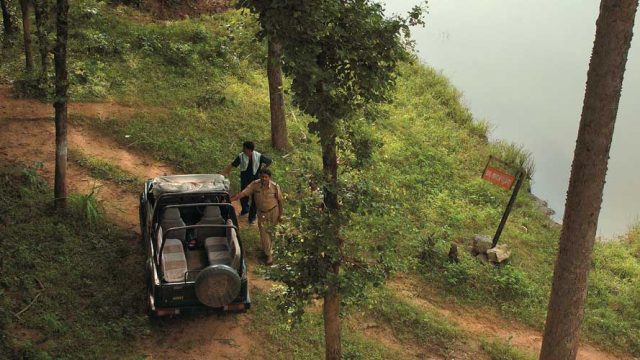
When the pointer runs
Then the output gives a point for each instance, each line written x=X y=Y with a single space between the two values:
x=171 y=219
x=174 y=262
x=217 y=251
x=224 y=250
x=211 y=216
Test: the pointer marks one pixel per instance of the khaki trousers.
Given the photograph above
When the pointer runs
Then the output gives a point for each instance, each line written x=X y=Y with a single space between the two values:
x=265 y=221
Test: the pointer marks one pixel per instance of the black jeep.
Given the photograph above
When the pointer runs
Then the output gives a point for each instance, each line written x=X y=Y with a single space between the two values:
x=194 y=254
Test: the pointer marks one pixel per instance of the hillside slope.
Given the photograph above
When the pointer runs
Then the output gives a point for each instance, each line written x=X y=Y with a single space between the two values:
x=207 y=75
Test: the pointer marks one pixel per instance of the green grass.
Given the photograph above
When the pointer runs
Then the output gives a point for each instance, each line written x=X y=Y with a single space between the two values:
x=424 y=179
x=86 y=207
x=632 y=239
x=414 y=325
x=614 y=297
x=78 y=287
x=500 y=350
x=106 y=170
x=281 y=339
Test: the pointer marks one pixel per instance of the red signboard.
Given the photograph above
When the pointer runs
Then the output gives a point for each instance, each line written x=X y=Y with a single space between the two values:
x=498 y=177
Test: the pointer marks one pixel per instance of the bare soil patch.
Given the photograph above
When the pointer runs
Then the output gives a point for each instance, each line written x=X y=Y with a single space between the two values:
x=33 y=141
x=29 y=109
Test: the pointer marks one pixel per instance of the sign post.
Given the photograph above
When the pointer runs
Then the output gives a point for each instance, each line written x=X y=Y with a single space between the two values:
x=498 y=177
x=504 y=180
x=507 y=210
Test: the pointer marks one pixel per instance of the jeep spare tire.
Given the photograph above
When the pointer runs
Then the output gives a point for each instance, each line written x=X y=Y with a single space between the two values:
x=217 y=285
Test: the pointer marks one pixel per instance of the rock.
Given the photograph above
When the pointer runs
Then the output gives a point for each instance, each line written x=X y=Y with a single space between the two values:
x=481 y=243
x=483 y=259
x=543 y=205
x=499 y=253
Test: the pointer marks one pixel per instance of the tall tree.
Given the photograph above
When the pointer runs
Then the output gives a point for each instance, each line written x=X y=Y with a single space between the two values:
x=26 y=31
x=614 y=29
x=279 y=138
x=269 y=31
x=60 y=103
x=341 y=56
x=7 y=21
x=42 y=12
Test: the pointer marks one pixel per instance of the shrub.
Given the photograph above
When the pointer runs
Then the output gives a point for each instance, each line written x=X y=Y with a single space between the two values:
x=30 y=85
x=514 y=154
x=86 y=207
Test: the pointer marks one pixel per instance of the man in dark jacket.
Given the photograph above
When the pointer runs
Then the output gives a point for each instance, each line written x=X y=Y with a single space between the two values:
x=249 y=162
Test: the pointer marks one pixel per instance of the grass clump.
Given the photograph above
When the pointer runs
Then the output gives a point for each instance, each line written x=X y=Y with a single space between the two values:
x=67 y=290
x=106 y=170
x=86 y=207
x=514 y=154
x=501 y=350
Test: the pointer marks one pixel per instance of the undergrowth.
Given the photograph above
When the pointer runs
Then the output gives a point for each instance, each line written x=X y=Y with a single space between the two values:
x=67 y=290
x=279 y=338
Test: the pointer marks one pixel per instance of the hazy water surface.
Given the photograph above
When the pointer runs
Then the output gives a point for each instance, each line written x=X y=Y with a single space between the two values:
x=522 y=65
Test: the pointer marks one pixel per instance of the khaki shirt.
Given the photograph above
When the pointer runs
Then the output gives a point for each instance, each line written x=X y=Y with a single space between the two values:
x=266 y=197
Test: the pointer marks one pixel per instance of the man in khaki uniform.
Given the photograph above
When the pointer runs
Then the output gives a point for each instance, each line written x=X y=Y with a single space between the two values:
x=268 y=198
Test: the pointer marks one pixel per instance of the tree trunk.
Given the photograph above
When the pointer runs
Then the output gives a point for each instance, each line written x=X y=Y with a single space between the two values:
x=331 y=313
x=26 y=31
x=40 y=7
x=60 y=104
x=584 y=197
x=331 y=308
x=279 y=138
x=7 y=22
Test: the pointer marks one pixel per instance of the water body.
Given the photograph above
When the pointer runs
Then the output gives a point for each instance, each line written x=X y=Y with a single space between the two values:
x=522 y=66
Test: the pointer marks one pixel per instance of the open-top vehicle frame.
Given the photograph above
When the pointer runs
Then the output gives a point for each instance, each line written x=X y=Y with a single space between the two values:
x=195 y=258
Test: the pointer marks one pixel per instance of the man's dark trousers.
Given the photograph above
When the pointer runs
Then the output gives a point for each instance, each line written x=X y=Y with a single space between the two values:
x=248 y=206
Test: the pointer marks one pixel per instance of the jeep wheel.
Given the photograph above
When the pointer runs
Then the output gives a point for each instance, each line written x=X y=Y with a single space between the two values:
x=217 y=286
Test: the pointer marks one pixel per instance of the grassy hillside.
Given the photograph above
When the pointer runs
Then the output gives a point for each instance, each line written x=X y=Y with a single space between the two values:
x=424 y=182
x=66 y=285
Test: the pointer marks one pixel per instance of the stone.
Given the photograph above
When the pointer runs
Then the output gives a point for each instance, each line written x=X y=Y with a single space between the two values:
x=499 y=253
x=483 y=258
x=481 y=243
x=543 y=205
